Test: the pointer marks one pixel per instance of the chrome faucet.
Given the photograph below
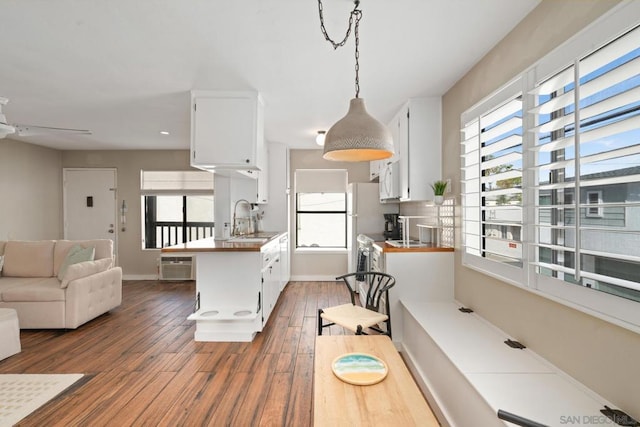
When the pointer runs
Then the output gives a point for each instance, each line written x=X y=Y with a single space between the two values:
x=236 y=229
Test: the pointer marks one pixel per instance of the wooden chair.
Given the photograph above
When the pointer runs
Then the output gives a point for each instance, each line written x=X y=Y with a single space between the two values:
x=357 y=318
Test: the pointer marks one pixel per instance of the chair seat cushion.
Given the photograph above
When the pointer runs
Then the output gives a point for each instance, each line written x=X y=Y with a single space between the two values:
x=351 y=316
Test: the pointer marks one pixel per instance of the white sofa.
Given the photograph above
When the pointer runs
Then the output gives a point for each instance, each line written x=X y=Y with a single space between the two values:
x=29 y=282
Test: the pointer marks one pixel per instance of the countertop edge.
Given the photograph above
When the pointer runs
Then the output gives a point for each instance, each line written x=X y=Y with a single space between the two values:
x=386 y=248
x=211 y=245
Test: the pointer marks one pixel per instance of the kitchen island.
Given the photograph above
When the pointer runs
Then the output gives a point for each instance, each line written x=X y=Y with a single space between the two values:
x=238 y=282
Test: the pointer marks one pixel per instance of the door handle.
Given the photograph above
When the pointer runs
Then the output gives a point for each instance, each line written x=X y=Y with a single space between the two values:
x=111 y=230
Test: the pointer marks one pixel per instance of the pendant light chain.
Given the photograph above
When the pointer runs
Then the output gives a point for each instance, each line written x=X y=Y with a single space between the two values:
x=357 y=14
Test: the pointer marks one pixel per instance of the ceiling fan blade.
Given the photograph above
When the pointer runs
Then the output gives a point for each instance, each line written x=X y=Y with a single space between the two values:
x=5 y=130
x=33 y=130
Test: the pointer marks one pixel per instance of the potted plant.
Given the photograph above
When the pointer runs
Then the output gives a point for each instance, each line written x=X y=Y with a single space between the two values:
x=439 y=187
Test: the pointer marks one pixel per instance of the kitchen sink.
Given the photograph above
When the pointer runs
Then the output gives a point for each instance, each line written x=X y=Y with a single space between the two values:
x=248 y=239
x=407 y=244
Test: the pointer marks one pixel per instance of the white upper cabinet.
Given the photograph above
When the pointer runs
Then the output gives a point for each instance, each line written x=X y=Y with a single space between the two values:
x=378 y=167
x=227 y=130
x=394 y=128
x=420 y=147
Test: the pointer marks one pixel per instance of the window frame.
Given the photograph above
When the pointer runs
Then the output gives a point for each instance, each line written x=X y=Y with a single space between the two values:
x=186 y=225
x=505 y=272
x=598 y=209
x=298 y=211
x=617 y=310
x=175 y=183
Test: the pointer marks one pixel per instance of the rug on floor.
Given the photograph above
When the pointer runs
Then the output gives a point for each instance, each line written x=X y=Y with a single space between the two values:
x=21 y=394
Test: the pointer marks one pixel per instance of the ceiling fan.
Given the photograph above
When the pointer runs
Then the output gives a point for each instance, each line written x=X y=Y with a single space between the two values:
x=32 y=130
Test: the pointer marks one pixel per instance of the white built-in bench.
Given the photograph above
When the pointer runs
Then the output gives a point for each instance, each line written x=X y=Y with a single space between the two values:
x=468 y=373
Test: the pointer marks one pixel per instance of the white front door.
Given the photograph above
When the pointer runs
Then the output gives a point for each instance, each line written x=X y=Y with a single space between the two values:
x=90 y=208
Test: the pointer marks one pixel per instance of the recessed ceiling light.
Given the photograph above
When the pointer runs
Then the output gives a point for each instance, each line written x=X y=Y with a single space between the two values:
x=164 y=132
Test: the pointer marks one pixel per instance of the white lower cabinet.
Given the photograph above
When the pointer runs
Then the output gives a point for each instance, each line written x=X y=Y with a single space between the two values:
x=270 y=278
x=422 y=276
x=285 y=265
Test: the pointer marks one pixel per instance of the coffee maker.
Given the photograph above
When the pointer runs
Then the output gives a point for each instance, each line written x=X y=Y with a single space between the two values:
x=392 y=227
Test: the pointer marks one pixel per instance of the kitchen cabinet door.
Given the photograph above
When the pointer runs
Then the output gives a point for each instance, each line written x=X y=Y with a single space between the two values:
x=285 y=272
x=420 y=148
x=227 y=130
x=270 y=278
x=263 y=185
x=270 y=289
x=258 y=183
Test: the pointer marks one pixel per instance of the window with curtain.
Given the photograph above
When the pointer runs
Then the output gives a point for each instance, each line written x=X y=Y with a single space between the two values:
x=177 y=207
x=321 y=208
x=551 y=175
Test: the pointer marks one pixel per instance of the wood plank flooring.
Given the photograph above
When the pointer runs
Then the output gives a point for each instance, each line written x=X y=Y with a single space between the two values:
x=143 y=367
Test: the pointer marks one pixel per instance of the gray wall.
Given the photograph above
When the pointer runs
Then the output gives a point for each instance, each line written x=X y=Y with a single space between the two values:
x=599 y=354
x=30 y=192
x=27 y=170
x=135 y=262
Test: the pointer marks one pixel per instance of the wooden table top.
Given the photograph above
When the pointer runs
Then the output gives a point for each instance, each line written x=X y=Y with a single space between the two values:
x=396 y=401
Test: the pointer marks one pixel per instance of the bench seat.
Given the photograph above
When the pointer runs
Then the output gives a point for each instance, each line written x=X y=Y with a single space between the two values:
x=468 y=373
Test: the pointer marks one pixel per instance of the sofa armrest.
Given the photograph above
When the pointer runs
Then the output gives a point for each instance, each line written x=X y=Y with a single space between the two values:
x=90 y=296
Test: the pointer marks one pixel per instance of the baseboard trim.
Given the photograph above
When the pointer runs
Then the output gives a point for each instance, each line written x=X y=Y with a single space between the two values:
x=140 y=277
x=313 y=278
x=301 y=278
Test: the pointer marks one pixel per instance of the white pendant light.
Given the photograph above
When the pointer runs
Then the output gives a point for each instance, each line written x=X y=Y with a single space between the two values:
x=357 y=137
x=320 y=137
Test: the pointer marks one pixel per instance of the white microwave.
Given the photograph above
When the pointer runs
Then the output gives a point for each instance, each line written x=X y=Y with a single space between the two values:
x=390 y=181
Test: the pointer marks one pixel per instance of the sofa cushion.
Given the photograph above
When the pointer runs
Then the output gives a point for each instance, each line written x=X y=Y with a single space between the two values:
x=28 y=259
x=83 y=269
x=75 y=255
x=45 y=289
x=104 y=249
x=12 y=282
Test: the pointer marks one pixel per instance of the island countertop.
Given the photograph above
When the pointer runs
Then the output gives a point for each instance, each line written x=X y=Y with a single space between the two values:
x=226 y=245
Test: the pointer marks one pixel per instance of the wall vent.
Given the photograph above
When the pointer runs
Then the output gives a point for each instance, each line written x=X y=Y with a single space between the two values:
x=176 y=268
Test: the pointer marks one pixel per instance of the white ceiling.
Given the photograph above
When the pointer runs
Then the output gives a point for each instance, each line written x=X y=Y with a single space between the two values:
x=124 y=68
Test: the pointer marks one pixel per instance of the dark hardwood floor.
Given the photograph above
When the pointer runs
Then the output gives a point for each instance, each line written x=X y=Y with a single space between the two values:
x=143 y=367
